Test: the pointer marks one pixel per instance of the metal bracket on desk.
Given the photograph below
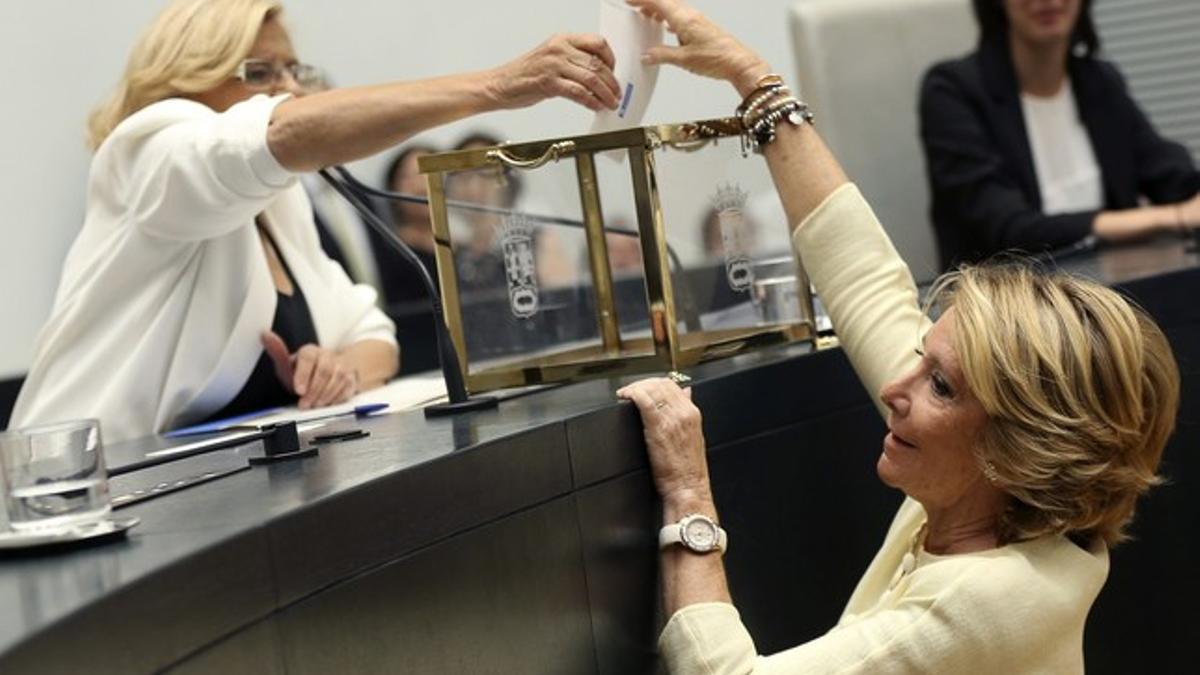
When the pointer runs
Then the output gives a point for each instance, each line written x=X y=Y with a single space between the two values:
x=282 y=443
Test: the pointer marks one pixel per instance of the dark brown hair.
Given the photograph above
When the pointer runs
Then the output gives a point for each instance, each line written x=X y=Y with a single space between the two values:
x=993 y=26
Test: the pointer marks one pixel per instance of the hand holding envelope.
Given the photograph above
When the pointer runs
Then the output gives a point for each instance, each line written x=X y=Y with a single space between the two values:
x=629 y=35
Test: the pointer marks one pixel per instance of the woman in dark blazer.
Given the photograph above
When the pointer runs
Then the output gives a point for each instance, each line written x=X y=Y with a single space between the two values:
x=983 y=160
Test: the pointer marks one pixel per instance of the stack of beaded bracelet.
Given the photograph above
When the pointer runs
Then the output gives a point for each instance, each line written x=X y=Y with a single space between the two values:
x=764 y=108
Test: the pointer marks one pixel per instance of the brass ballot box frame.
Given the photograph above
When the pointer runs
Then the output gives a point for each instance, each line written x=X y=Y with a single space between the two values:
x=614 y=355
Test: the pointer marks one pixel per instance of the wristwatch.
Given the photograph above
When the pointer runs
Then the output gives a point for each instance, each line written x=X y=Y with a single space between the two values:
x=698 y=533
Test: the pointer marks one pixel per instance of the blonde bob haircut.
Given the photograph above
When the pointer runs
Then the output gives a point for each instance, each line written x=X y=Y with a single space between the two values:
x=1081 y=391
x=192 y=47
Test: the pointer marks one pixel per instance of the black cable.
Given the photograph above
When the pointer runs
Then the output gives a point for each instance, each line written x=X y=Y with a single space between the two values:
x=1055 y=255
x=469 y=206
x=456 y=389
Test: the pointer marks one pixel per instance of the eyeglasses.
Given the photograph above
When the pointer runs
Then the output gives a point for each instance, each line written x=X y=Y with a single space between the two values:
x=261 y=73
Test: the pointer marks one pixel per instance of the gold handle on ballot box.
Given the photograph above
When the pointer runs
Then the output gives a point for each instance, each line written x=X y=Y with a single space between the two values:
x=552 y=154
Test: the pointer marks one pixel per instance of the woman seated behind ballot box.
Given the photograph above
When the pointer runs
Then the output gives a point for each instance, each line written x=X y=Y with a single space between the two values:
x=196 y=288
x=1033 y=142
x=1023 y=425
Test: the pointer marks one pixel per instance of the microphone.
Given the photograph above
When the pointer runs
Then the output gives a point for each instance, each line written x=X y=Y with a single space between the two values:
x=452 y=373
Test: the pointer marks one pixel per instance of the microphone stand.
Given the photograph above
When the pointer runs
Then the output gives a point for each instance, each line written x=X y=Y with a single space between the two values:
x=456 y=389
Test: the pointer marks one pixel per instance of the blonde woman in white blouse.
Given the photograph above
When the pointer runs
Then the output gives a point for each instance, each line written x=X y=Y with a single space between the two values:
x=197 y=287
x=1022 y=426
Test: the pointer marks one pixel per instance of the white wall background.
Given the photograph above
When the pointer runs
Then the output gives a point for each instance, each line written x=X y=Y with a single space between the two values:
x=58 y=58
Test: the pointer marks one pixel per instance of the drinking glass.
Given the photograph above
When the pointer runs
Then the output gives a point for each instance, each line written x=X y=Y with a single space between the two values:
x=777 y=300
x=54 y=475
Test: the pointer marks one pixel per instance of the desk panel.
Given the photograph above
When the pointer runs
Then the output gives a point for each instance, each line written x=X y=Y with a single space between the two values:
x=618 y=522
x=507 y=597
x=380 y=521
x=142 y=626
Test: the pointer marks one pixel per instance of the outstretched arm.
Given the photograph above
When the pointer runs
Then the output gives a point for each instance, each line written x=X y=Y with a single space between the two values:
x=342 y=125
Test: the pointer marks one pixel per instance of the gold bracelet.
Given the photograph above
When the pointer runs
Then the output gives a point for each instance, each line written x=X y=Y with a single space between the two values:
x=768 y=81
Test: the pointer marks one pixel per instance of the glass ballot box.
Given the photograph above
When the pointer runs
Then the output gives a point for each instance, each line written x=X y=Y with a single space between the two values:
x=632 y=251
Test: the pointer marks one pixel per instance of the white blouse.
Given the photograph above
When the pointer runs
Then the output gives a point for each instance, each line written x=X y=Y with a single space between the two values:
x=165 y=291
x=1067 y=171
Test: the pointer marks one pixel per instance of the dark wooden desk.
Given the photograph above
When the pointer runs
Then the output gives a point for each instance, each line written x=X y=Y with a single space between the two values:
x=522 y=540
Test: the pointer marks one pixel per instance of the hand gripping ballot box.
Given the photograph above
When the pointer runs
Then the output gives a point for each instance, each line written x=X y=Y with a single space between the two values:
x=632 y=251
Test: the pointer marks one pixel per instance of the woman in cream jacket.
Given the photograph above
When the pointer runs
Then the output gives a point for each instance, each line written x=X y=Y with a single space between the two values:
x=1022 y=426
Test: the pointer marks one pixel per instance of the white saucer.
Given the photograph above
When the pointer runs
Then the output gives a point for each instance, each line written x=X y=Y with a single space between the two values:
x=104 y=527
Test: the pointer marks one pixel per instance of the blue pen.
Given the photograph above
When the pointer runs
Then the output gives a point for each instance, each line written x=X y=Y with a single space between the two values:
x=219 y=425
x=363 y=410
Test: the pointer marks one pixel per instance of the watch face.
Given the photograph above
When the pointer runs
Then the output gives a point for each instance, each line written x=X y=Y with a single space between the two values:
x=699 y=534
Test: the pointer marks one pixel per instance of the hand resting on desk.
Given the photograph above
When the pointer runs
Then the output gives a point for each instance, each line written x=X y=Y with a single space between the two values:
x=319 y=376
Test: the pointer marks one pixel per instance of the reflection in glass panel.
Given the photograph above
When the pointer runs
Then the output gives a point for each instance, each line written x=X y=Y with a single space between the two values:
x=516 y=237
x=723 y=216
x=625 y=261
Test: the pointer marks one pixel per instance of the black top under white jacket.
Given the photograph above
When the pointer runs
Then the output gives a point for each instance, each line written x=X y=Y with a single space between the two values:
x=984 y=188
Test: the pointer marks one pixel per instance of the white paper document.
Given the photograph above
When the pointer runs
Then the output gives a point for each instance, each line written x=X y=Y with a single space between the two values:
x=406 y=393
x=629 y=35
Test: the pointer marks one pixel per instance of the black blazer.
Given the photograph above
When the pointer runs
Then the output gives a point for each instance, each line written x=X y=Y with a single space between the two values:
x=985 y=196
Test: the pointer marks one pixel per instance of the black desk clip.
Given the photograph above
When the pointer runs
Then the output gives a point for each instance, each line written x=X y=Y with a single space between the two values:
x=281 y=443
x=340 y=436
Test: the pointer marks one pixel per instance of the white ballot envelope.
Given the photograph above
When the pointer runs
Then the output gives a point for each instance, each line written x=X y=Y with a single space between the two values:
x=629 y=34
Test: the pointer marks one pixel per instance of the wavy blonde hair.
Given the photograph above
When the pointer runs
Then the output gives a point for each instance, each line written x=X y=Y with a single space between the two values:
x=192 y=47
x=1081 y=391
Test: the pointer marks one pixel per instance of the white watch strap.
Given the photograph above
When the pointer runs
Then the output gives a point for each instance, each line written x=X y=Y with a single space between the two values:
x=672 y=534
